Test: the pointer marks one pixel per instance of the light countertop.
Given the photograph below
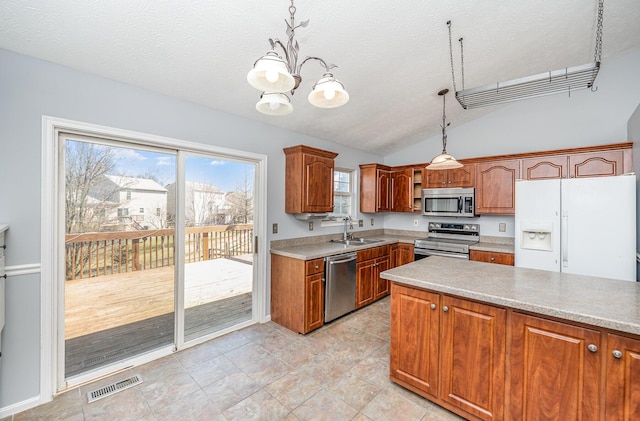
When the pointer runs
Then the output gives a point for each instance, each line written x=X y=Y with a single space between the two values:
x=326 y=248
x=591 y=300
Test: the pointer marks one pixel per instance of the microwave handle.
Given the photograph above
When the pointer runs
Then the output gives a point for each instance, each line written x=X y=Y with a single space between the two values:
x=460 y=204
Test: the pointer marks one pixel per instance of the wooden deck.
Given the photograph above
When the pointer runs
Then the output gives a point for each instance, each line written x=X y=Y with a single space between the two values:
x=112 y=317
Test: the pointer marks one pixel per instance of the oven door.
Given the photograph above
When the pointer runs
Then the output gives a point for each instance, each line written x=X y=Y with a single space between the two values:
x=420 y=253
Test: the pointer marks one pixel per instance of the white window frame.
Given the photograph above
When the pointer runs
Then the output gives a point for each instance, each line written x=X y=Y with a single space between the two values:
x=334 y=219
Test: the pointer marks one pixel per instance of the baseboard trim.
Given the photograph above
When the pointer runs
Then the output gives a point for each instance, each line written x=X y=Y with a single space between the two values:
x=7 y=411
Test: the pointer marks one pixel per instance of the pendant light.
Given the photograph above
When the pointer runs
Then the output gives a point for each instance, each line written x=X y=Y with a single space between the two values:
x=444 y=161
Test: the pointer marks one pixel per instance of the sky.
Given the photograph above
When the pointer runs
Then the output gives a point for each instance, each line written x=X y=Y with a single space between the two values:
x=224 y=174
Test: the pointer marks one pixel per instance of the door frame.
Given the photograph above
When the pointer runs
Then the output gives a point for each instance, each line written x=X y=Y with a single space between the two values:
x=52 y=247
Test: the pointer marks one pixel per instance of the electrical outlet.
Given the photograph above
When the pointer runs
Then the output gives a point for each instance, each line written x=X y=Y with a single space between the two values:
x=310 y=225
x=415 y=222
x=371 y=221
x=361 y=223
x=275 y=228
x=502 y=227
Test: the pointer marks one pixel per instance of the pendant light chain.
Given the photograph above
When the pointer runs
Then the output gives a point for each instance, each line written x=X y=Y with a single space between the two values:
x=462 y=61
x=444 y=124
x=598 y=53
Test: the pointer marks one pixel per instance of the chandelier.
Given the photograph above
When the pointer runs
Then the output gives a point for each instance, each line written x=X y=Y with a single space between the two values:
x=276 y=77
x=444 y=161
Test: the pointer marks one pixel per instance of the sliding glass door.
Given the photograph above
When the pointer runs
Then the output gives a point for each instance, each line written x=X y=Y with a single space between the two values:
x=155 y=238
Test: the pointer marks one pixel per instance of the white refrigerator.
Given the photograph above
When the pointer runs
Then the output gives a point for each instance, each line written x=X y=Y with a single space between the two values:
x=585 y=226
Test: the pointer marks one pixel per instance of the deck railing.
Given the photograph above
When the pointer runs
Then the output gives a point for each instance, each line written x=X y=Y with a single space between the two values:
x=105 y=253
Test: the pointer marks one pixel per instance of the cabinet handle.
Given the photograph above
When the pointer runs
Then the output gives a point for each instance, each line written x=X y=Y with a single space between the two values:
x=617 y=354
x=317 y=266
x=592 y=348
x=433 y=306
x=493 y=259
x=445 y=308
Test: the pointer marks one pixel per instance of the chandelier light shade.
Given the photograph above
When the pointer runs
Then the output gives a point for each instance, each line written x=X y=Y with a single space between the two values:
x=328 y=93
x=274 y=103
x=444 y=161
x=272 y=75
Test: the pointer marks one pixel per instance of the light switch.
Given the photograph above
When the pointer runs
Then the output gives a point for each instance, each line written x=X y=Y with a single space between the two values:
x=310 y=225
x=502 y=227
x=361 y=223
x=275 y=228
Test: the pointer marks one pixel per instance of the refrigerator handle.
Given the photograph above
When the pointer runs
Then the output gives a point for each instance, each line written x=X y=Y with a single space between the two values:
x=565 y=238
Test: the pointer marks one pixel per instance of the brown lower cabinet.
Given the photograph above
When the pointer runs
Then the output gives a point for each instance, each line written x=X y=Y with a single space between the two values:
x=449 y=349
x=369 y=285
x=489 y=363
x=297 y=293
x=555 y=370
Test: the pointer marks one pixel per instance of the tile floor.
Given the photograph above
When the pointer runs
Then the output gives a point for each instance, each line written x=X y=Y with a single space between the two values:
x=263 y=372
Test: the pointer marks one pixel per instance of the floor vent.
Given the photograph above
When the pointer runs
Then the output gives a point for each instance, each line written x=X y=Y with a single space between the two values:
x=112 y=388
x=102 y=358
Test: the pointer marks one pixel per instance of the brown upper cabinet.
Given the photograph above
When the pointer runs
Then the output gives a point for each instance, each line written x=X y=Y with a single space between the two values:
x=402 y=190
x=308 y=180
x=458 y=177
x=576 y=165
x=375 y=188
x=496 y=187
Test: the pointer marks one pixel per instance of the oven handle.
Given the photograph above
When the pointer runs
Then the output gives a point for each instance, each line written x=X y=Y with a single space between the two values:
x=442 y=254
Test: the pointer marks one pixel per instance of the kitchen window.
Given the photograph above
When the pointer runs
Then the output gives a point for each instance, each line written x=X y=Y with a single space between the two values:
x=342 y=195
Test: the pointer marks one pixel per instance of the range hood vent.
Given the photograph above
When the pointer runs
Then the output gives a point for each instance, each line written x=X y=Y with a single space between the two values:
x=310 y=216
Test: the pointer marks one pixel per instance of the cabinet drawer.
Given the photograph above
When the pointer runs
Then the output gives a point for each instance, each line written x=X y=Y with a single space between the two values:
x=372 y=253
x=491 y=257
x=314 y=266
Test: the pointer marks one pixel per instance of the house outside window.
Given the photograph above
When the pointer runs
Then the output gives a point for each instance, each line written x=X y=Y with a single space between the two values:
x=141 y=210
x=128 y=194
x=158 y=211
x=123 y=212
x=342 y=193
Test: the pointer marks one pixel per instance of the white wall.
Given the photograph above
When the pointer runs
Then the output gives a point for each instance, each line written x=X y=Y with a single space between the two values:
x=32 y=88
x=553 y=122
x=633 y=133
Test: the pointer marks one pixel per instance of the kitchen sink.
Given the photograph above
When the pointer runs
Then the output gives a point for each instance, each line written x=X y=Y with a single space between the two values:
x=357 y=241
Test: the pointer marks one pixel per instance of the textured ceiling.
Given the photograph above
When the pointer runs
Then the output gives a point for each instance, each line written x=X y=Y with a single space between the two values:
x=392 y=56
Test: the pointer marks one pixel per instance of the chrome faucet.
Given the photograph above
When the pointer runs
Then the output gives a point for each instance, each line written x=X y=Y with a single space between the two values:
x=347 y=221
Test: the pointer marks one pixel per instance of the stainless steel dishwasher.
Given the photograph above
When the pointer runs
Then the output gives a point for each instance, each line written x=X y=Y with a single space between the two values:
x=340 y=285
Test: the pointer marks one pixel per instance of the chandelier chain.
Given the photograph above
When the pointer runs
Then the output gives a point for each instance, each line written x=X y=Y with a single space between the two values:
x=598 y=53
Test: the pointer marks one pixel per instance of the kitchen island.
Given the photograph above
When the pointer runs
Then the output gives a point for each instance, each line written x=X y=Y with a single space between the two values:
x=495 y=342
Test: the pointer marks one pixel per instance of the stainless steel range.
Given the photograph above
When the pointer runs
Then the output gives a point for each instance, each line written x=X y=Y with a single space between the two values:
x=447 y=239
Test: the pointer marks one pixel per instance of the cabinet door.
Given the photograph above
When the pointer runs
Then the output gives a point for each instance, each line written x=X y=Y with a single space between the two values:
x=492 y=257
x=402 y=191
x=364 y=283
x=596 y=164
x=314 y=302
x=553 y=374
x=495 y=187
x=435 y=178
x=414 y=338
x=393 y=256
x=381 y=285
x=384 y=191
x=405 y=254
x=545 y=168
x=317 y=184
x=462 y=177
x=623 y=379
x=473 y=357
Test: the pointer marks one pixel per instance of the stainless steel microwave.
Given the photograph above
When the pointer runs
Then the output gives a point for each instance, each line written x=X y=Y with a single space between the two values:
x=458 y=202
